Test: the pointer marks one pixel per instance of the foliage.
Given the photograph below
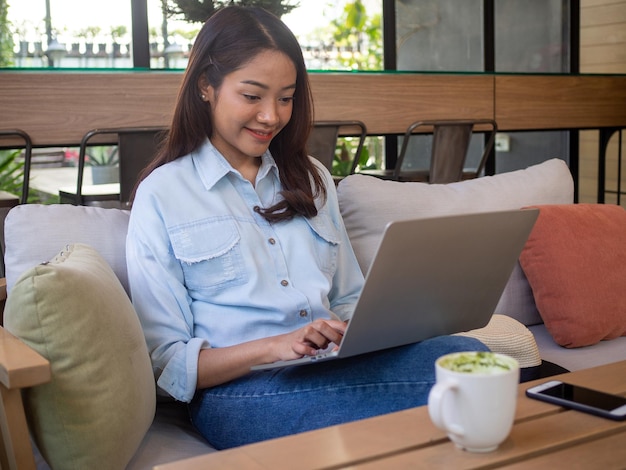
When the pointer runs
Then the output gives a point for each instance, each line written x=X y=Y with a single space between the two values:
x=188 y=35
x=344 y=155
x=90 y=32
x=6 y=38
x=360 y=33
x=118 y=32
x=12 y=178
x=11 y=171
x=198 y=11
x=102 y=155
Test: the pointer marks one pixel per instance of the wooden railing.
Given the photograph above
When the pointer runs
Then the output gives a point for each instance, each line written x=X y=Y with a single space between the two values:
x=58 y=108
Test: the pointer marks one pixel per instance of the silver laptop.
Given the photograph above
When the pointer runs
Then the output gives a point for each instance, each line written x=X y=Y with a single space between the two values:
x=431 y=277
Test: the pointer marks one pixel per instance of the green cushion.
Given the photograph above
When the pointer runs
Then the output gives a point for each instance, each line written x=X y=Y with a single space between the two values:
x=101 y=400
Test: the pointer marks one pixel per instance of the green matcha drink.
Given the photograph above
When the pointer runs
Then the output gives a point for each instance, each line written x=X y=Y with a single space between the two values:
x=477 y=363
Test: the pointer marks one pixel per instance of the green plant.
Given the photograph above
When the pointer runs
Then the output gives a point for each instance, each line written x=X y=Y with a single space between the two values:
x=89 y=33
x=6 y=37
x=197 y=11
x=344 y=155
x=188 y=35
x=12 y=177
x=362 y=35
x=11 y=171
x=118 y=32
x=102 y=155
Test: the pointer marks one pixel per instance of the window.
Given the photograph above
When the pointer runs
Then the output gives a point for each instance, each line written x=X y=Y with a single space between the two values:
x=530 y=36
x=63 y=33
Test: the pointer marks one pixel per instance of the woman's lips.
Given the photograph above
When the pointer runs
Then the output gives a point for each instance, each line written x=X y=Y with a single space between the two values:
x=261 y=135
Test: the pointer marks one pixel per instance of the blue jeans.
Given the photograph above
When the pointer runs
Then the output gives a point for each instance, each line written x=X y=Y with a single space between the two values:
x=268 y=404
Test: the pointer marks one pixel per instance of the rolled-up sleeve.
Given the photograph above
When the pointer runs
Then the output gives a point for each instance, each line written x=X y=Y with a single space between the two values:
x=161 y=301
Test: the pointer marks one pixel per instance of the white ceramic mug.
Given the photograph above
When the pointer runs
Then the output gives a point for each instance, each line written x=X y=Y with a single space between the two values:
x=474 y=398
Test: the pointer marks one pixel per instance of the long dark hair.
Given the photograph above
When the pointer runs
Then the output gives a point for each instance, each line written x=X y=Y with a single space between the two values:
x=228 y=40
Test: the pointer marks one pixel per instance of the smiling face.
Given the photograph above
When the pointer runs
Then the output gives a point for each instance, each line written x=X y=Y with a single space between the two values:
x=252 y=105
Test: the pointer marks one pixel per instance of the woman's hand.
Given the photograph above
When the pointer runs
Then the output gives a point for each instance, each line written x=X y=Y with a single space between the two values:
x=219 y=365
x=309 y=340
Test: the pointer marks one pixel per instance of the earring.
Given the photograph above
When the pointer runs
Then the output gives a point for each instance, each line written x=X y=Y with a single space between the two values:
x=203 y=96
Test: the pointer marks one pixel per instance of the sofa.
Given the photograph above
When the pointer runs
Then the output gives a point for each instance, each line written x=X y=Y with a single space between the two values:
x=75 y=375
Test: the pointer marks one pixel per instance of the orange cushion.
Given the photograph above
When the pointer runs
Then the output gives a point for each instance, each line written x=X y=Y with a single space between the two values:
x=575 y=262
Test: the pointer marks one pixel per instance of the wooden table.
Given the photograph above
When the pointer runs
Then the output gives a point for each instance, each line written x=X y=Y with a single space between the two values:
x=544 y=436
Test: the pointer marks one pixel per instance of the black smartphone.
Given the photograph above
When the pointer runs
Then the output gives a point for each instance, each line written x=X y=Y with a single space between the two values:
x=580 y=398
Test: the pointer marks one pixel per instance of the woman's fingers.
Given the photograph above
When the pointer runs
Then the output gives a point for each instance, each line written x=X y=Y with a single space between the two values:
x=320 y=334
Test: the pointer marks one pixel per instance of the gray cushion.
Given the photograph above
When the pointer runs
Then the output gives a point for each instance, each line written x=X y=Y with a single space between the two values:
x=368 y=204
x=578 y=358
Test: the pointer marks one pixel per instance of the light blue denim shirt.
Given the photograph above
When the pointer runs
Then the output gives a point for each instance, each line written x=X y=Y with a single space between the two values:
x=206 y=270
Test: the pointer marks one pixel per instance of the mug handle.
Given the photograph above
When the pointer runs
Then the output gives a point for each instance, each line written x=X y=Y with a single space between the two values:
x=435 y=406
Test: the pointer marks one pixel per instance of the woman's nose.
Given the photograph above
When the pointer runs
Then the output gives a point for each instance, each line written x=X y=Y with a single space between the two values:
x=268 y=114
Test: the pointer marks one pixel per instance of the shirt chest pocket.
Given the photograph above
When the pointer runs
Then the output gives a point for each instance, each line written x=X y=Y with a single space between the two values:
x=327 y=239
x=210 y=254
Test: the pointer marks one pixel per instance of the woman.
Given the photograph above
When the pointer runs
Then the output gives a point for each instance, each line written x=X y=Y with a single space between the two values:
x=238 y=256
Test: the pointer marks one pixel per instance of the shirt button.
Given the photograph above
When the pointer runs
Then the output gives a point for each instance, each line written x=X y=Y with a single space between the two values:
x=303 y=313
x=284 y=283
x=272 y=241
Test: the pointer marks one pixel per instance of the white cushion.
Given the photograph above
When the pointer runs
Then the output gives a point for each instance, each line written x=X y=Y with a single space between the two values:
x=35 y=233
x=368 y=203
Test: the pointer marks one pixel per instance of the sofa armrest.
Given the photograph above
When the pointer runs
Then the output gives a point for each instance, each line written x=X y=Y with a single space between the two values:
x=20 y=367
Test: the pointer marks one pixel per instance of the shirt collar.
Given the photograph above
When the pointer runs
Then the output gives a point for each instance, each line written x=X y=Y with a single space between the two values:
x=212 y=166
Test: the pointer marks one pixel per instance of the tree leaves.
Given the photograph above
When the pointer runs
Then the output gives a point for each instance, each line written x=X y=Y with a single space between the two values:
x=198 y=11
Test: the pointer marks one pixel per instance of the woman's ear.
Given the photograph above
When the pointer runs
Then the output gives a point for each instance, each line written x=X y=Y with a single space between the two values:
x=204 y=89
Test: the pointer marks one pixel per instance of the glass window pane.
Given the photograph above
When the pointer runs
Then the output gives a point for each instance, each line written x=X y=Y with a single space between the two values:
x=339 y=35
x=66 y=33
x=532 y=36
x=326 y=30
x=170 y=37
x=439 y=35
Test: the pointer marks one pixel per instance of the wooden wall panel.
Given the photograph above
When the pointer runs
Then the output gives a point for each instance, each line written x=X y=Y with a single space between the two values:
x=603 y=34
x=594 y=12
x=59 y=108
x=388 y=103
x=559 y=102
x=602 y=50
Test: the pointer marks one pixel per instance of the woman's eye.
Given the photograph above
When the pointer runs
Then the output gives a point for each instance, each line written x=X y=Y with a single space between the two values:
x=250 y=97
x=287 y=99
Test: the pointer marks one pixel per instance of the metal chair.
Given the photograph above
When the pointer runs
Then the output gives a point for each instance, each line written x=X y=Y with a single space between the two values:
x=136 y=148
x=323 y=140
x=9 y=200
x=451 y=139
x=28 y=152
